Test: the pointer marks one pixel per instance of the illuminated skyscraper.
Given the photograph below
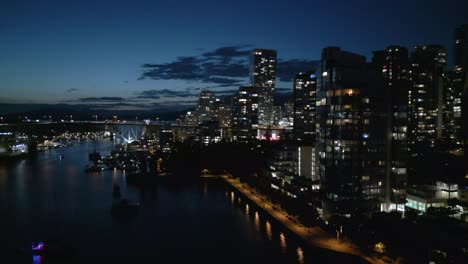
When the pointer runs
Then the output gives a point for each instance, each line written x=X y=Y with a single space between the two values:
x=426 y=97
x=393 y=63
x=304 y=106
x=206 y=107
x=263 y=75
x=349 y=143
x=245 y=113
x=461 y=80
x=452 y=130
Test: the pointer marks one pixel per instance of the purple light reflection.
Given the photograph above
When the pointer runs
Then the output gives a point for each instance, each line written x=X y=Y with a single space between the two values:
x=38 y=246
x=37 y=259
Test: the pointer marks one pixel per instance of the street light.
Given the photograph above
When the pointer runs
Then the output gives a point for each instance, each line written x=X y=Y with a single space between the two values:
x=338 y=233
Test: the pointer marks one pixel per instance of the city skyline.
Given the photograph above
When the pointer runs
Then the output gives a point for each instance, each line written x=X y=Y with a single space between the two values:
x=246 y=132
x=159 y=57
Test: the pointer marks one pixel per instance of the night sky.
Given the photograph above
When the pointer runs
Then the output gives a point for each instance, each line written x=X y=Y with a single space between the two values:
x=160 y=54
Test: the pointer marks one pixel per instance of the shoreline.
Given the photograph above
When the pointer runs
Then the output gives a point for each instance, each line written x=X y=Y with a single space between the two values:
x=313 y=236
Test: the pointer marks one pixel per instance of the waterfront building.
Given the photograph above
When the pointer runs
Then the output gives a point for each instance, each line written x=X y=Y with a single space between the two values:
x=349 y=145
x=393 y=63
x=165 y=139
x=263 y=76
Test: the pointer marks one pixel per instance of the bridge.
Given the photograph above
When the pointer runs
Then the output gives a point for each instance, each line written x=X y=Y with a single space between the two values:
x=128 y=131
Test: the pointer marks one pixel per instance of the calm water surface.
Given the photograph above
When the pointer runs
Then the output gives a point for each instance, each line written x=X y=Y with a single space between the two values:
x=46 y=198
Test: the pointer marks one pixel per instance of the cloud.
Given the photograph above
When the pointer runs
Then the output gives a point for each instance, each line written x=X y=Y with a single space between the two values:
x=287 y=69
x=164 y=106
x=225 y=67
x=226 y=54
x=164 y=93
x=101 y=99
x=72 y=90
x=283 y=90
x=226 y=92
x=193 y=88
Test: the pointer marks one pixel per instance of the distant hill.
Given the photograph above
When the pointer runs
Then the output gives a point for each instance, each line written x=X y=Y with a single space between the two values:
x=15 y=112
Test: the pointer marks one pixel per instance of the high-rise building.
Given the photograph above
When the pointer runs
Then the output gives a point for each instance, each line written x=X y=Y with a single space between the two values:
x=245 y=113
x=452 y=130
x=263 y=76
x=393 y=63
x=209 y=132
x=348 y=143
x=426 y=97
x=461 y=80
x=222 y=113
x=307 y=162
x=206 y=107
x=304 y=106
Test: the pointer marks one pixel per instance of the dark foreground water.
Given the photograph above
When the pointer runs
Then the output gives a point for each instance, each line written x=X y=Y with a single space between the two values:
x=46 y=198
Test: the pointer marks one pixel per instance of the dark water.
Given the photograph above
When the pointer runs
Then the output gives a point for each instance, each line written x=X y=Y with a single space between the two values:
x=45 y=198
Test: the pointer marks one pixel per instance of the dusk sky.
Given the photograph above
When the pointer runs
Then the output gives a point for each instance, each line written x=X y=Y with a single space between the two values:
x=160 y=54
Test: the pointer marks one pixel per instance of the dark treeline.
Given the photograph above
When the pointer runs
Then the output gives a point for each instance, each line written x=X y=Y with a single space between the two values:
x=188 y=159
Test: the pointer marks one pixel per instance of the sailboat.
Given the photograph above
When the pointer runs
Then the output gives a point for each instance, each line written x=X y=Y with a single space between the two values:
x=94 y=156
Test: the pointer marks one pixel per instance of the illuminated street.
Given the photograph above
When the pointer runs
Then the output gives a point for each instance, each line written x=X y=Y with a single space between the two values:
x=315 y=236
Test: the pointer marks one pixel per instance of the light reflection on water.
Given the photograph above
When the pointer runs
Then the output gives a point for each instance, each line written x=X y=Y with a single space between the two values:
x=283 y=243
x=36 y=259
x=80 y=205
x=300 y=255
x=257 y=221
x=268 y=230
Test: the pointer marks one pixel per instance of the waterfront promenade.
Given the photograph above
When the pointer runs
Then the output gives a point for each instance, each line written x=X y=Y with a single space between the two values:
x=314 y=236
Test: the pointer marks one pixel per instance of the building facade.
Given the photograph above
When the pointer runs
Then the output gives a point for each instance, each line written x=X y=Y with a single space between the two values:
x=263 y=76
x=305 y=85
x=344 y=120
x=461 y=81
x=245 y=105
x=393 y=63
x=426 y=97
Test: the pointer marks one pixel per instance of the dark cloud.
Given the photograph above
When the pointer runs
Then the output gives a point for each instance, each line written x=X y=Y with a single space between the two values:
x=283 y=90
x=226 y=54
x=226 y=92
x=101 y=99
x=164 y=93
x=193 y=88
x=71 y=90
x=184 y=68
x=116 y=105
x=171 y=106
x=224 y=66
x=287 y=69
